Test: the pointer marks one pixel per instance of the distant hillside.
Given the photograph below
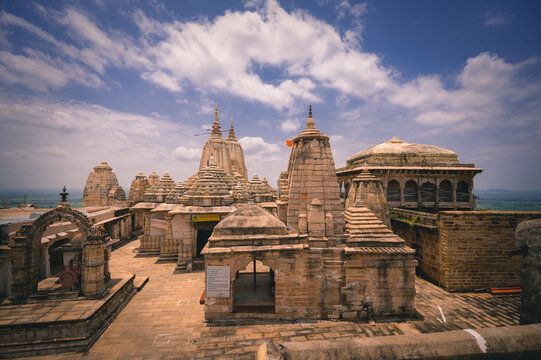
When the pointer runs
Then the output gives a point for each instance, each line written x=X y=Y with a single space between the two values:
x=507 y=200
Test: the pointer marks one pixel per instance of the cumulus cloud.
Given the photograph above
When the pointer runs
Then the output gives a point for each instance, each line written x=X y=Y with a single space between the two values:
x=183 y=153
x=488 y=89
x=290 y=125
x=55 y=138
x=222 y=54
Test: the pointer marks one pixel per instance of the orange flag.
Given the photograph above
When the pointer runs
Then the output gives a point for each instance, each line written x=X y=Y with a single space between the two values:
x=289 y=143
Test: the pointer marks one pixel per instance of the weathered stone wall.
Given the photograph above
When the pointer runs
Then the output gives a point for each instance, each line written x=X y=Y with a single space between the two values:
x=313 y=283
x=467 y=249
x=426 y=242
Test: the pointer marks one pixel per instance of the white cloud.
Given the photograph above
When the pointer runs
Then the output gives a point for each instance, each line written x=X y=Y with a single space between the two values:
x=290 y=125
x=43 y=141
x=183 y=153
x=263 y=158
x=253 y=144
x=344 y=8
x=488 y=89
x=495 y=18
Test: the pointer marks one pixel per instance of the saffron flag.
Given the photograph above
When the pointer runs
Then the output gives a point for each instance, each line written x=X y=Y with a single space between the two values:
x=289 y=143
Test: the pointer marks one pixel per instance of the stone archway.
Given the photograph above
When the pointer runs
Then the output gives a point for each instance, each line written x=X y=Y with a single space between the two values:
x=251 y=295
x=26 y=257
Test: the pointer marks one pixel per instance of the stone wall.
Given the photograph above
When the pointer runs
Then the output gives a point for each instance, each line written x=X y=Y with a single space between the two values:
x=333 y=283
x=466 y=249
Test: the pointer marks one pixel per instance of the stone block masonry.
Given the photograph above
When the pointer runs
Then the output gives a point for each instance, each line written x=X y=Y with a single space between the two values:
x=466 y=250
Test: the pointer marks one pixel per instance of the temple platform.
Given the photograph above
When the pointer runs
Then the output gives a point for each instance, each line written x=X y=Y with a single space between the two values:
x=54 y=320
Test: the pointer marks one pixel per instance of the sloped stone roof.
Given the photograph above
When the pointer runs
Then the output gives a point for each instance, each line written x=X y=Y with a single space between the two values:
x=250 y=220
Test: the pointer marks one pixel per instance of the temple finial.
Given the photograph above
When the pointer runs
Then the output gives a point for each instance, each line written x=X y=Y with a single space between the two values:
x=216 y=125
x=231 y=135
x=310 y=122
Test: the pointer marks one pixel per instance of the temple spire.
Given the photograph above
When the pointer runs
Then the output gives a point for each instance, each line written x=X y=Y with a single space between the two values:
x=310 y=122
x=231 y=135
x=216 y=125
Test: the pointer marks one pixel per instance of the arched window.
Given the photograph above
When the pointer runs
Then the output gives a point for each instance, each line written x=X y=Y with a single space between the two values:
x=428 y=192
x=410 y=191
x=463 y=192
x=393 y=191
x=446 y=191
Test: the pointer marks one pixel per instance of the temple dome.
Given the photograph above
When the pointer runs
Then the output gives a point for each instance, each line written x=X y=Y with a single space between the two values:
x=250 y=220
x=396 y=152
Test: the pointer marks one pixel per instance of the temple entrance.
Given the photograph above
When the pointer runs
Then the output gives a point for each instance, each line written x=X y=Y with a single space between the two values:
x=253 y=289
x=202 y=239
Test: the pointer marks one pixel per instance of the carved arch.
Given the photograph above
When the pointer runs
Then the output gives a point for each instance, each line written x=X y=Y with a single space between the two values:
x=60 y=213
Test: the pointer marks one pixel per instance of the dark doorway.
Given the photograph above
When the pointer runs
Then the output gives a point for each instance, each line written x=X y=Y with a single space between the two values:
x=202 y=239
x=253 y=289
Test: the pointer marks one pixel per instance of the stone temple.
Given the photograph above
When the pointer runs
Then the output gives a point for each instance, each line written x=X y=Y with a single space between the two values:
x=415 y=176
x=102 y=189
x=256 y=266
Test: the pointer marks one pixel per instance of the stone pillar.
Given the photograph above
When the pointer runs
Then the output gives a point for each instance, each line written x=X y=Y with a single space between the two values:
x=528 y=235
x=303 y=224
x=402 y=193
x=437 y=192
x=93 y=267
x=169 y=227
x=146 y=222
x=419 y=184
x=316 y=219
x=329 y=225
x=21 y=285
x=46 y=262
x=454 y=193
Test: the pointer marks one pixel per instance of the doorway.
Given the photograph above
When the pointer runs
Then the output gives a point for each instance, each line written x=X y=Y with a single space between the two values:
x=254 y=288
x=202 y=239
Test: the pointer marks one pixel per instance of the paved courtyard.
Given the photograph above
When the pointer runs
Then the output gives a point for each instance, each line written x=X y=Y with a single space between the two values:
x=165 y=320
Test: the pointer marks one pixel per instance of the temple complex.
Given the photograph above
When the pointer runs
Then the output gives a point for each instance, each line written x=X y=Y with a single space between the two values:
x=331 y=245
x=177 y=219
x=415 y=176
x=256 y=266
x=102 y=189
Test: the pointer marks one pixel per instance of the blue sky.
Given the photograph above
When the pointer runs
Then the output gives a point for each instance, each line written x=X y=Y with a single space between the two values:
x=132 y=82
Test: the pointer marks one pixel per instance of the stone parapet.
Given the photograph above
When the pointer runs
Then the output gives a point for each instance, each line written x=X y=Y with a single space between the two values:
x=511 y=342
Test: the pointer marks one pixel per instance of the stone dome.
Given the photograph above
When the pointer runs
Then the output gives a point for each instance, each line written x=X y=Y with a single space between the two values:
x=396 y=152
x=250 y=220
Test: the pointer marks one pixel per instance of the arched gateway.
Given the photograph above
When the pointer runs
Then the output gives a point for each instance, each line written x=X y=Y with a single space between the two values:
x=26 y=247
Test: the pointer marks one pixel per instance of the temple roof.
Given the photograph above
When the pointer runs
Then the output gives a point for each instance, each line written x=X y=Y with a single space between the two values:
x=249 y=220
x=397 y=150
x=310 y=132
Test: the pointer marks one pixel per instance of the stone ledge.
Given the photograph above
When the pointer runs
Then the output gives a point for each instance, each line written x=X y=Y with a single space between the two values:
x=511 y=342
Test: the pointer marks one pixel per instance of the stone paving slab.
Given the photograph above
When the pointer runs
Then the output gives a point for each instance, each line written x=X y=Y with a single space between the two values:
x=165 y=320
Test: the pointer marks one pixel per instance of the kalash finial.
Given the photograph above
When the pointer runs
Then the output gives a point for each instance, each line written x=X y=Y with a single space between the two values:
x=310 y=122
x=216 y=125
x=64 y=195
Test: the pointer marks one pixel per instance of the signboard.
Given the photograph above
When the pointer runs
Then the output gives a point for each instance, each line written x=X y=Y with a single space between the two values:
x=205 y=217
x=218 y=281
x=158 y=223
